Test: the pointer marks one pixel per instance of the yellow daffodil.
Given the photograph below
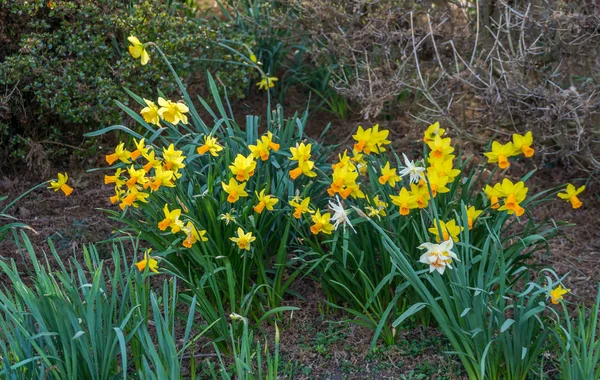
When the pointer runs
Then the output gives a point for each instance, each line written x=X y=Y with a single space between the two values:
x=150 y=113
x=140 y=149
x=301 y=207
x=421 y=194
x=265 y=201
x=322 y=223
x=211 y=146
x=304 y=167
x=120 y=154
x=152 y=161
x=513 y=194
x=192 y=235
x=118 y=196
x=263 y=146
x=172 y=112
x=148 y=261
x=301 y=153
x=173 y=159
x=432 y=131
x=557 y=294
x=136 y=177
x=371 y=139
x=341 y=177
x=260 y=150
x=444 y=167
x=500 y=154
x=61 y=184
x=171 y=220
x=243 y=167
x=138 y=50
x=405 y=201
x=440 y=147
x=132 y=196
x=449 y=230
x=116 y=179
x=161 y=177
x=493 y=195
x=242 y=239
x=436 y=182
x=570 y=194
x=472 y=214
x=377 y=209
x=234 y=190
x=522 y=144
x=267 y=83
x=388 y=175
x=344 y=160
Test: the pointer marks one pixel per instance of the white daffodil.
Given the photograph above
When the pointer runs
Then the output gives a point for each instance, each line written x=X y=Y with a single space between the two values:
x=340 y=215
x=438 y=256
x=227 y=218
x=412 y=170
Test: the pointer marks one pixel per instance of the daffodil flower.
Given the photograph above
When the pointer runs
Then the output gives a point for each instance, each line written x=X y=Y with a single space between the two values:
x=378 y=208
x=243 y=167
x=267 y=83
x=421 y=194
x=301 y=207
x=147 y=261
x=322 y=223
x=432 y=131
x=405 y=201
x=415 y=172
x=472 y=214
x=161 y=177
x=340 y=215
x=173 y=159
x=513 y=194
x=263 y=147
x=136 y=177
x=211 y=146
x=227 y=218
x=371 y=140
x=440 y=147
x=557 y=294
x=171 y=220
x=172 y=112
x=437 y=183
x=450 y=230
x=500 y=154
x=61 y=184
x=120 y=153
x=192 y=235
x=234 y=190
x=140 y=148
x=243 y=240
x=522 y=144
x=116 y=179
x=438 y=256
x=138 y=50
x=265 y=201
x=152 y=161
x=150 y=113
x=388 y=175
x=570 y=195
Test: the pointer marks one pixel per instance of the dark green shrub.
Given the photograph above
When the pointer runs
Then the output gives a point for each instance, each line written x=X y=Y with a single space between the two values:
x=67 y=61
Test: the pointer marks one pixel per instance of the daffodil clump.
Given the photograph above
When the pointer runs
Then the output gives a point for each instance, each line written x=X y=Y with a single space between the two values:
x=239 y=212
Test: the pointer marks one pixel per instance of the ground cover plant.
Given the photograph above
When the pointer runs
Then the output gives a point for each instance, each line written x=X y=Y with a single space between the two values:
x=221 y=219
